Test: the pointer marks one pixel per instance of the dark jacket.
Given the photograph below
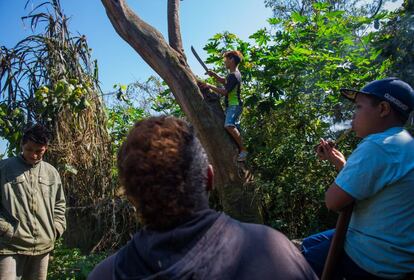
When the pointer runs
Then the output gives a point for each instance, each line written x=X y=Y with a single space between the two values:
x=208 y=246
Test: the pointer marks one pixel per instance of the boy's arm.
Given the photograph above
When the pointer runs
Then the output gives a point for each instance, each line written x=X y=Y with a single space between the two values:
x=60 y=209
x=229 y=85
x=337 y=199
x=366 y=172
x=219 y=79
x=221 y=91
x=6 y=228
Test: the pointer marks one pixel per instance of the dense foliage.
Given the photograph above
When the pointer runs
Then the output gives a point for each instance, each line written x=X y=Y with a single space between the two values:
x=292 y=76
x=69 y=263
x=396 y=41
x=284 y=8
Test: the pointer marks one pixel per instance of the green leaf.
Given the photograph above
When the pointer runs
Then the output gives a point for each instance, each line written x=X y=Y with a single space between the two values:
x=274 y=21
x=375 y=54
x=299 y=50
x=71 y=169
x=297 y=17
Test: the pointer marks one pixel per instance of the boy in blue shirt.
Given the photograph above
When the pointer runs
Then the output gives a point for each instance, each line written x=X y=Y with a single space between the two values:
x=379 y=178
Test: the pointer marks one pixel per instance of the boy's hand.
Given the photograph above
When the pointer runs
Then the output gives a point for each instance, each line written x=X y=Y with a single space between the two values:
x=211 y=73
x=326 y=151
x=202 y=84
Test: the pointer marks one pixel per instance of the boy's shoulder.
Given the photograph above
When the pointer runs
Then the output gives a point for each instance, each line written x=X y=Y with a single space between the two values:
x=395 y=144
x=395 y=136
x=236 y=74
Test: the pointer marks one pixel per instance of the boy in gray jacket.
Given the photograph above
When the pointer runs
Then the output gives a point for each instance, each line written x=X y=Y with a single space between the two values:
x=32 y=209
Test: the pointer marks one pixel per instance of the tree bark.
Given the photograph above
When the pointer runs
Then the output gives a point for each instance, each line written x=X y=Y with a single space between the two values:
x=235 y=195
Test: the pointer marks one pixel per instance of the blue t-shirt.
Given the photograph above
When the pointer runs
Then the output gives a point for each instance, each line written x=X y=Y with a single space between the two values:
x=379 y=174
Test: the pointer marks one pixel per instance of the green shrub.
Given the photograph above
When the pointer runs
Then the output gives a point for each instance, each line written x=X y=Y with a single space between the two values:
x=70 y=263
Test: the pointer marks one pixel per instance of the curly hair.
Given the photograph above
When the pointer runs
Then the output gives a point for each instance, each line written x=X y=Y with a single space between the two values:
x=236 y=55
x=37 y=134
x=163 y=168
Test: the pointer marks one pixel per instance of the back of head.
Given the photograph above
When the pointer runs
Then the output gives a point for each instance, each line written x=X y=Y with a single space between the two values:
x=37 y=134
x=163 y=169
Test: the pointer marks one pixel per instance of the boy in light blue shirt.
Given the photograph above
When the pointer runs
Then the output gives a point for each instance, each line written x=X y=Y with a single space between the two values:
x=379 y=178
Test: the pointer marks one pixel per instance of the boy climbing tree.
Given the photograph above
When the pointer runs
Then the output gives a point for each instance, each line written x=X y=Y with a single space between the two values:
x=231 y=91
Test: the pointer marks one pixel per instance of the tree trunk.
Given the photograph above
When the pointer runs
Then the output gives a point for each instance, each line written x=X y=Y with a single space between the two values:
x=236 y=196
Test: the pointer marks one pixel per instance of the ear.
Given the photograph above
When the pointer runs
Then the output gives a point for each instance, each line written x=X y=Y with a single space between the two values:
x=210 y=178
x=385 y=109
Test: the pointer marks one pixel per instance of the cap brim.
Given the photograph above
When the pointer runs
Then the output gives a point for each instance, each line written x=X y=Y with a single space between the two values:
x=349 y=93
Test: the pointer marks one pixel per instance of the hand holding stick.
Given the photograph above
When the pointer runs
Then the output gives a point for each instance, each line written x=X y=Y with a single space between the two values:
x=326 y=151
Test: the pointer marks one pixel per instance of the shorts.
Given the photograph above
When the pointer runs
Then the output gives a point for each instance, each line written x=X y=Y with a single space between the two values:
x=233 y=113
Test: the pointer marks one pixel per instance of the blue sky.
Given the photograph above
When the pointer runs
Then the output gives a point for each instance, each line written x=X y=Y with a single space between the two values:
x=118 y=62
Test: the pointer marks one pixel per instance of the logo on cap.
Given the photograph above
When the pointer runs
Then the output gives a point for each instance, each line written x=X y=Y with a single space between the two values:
x=395 y=101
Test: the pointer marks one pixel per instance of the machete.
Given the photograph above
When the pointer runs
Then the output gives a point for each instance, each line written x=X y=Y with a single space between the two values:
x=199 y=59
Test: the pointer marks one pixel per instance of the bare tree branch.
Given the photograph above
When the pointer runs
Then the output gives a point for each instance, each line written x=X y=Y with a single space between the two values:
x=174 y=33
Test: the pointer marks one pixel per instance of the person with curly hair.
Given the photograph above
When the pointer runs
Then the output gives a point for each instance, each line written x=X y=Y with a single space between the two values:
x=166 y=175
x=231 y=91
x=32 y=209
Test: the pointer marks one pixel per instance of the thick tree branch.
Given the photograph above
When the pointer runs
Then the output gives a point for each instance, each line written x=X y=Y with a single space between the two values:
x=174 y=33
